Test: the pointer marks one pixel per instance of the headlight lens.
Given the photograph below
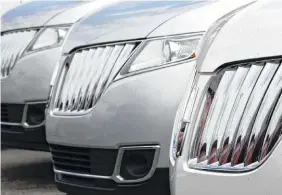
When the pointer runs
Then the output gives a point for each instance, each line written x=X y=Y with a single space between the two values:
x=49 y=37
x=160 y=52
x=239 y=119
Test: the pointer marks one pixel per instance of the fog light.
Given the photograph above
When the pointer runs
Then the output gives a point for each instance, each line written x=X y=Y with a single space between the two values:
x=137 y=164
x=35 y=114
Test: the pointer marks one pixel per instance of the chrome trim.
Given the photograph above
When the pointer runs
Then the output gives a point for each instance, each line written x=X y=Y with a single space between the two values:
x=21 y=29
x=190 y=105
x=181 y=115
x=239 y=106
x=11 y=124
x=118 y=178
x=215 y=109
x=80 y=99
x=23 y=123
x=116 y=173
x=265 y=113
x=248 y=125
x=253 y=106
x=81 y=175
x=103 y=45
x=274 y=128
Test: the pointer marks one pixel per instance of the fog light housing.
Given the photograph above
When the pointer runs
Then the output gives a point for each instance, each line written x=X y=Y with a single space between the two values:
x=35 y=114
x=136 y=164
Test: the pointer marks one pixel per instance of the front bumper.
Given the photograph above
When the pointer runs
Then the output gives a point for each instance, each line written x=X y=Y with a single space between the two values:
x=157 y=185
x=18 y=137
x=29 y=82
x=134 y=111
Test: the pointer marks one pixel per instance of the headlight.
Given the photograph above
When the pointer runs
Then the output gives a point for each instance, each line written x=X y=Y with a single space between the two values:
x=161 y=52
x=49 y=37
x=240 y=118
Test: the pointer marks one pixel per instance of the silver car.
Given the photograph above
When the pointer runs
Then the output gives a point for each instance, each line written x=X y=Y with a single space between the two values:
x=113 y=102
x=31 y=41
x=228 y=140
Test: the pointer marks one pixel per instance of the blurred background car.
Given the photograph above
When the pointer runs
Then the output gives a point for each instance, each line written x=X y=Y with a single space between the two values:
x=123 y=72
x=8 y=5
x=230 y=141
x=31 y=40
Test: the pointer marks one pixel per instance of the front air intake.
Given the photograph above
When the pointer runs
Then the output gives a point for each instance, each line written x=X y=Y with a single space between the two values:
x=240 y=118
x=127 y=165
x=83 y=160
x=87 y=75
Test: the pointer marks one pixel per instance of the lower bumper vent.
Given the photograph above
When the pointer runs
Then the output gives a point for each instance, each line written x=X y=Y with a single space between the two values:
x=12 y=113
x=84 y=160
x=128 y=164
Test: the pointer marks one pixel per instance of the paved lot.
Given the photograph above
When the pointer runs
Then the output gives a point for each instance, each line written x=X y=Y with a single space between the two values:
x=26 y=173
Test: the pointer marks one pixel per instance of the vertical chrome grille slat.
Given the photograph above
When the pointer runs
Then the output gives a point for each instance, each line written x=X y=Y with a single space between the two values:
x=215 y=109
x=251 y=109
x=100 y=65
x=74 y=88
x=242 y=121
x=9 y=64
x=13 y=45
x=96 y=58
x=107 y=70
x=58 y=100
x=274 y=130
x=121 y=60
x=68 y=80
x=7 y=54
x=237 y=112
x=84 y=83
x=227 y=105
x=90 y=71
x=264 y=114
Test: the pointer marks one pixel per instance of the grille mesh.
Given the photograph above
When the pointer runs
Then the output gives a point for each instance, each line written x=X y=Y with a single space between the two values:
x=241 y=117
x=84 y=160
x=13 y=45
x=83 y=80
x=12 y=113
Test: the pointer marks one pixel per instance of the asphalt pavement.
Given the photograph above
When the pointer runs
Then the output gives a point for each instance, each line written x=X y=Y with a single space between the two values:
x=26 y=173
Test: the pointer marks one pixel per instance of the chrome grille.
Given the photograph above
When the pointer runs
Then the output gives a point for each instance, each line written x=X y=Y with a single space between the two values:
x=241 y=118
x=13 y=45
x=83 y=80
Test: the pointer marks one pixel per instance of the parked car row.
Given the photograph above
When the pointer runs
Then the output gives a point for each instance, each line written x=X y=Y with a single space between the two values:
x=105 y=85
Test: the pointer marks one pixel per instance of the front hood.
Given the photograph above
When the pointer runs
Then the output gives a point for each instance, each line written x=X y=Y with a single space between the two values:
x=126 y=21
x=252 y=33
x=34 y=14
